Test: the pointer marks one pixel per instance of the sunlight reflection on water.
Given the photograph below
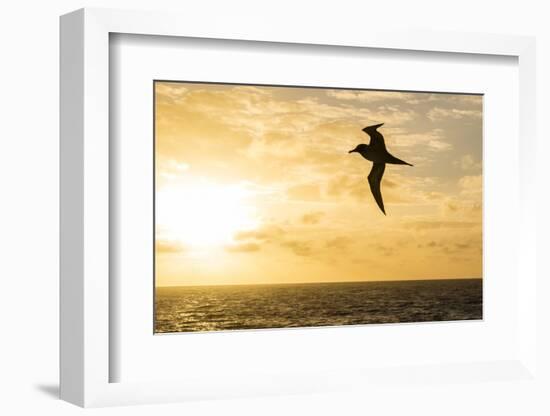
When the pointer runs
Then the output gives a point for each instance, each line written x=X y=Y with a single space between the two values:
x=212 y=308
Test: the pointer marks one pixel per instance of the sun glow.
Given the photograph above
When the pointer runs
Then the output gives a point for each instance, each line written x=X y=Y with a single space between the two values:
x=201 y=215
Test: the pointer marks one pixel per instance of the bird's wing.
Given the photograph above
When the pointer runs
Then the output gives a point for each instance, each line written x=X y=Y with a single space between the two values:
x=375 y=177
x=376 y=138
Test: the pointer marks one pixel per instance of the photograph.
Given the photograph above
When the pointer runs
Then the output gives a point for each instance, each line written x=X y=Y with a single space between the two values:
x=306 y=206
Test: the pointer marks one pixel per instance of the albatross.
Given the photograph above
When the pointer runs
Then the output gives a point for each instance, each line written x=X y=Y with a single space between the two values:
x=376 y=152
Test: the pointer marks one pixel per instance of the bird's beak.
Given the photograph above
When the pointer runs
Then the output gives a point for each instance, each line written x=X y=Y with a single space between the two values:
x=351 y=151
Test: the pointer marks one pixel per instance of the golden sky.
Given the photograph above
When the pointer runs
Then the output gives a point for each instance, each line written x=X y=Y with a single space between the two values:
x=255 y=185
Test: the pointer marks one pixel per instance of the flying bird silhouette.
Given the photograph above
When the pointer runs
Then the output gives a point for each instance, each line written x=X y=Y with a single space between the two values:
x=376 y=152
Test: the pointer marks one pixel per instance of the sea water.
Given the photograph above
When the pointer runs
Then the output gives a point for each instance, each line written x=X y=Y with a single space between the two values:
x=213 y=308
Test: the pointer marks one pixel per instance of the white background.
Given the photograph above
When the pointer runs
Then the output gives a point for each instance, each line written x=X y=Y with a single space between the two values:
x=29 y=209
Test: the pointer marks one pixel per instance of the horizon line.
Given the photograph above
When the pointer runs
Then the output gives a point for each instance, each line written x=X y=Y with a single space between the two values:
x=327 y=282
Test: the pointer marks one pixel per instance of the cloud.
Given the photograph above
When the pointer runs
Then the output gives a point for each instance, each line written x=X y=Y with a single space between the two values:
x=467 y=162
x=433 y=140
x=473 y=100
x=267 y=233
x=470 y=183
x=404 y=97
x=257 y=113
x=451 y=247
x=420 y=225
x=462 y=207
x=304 y=192
x=243 y=248
x=338 y=243
x=371 y=96
x=383 y=249
x=356 y=187
x=437 y=113
x=216 y=128
x=463 y=246
x=468 y=202
x=312 y=218
x=168 y=247
x=273 y=235
x=175 y=166
x=298 y=247
x=170 y=170
x=170 y=92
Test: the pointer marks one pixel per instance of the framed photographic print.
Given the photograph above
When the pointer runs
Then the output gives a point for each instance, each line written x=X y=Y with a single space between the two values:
x=280 y=213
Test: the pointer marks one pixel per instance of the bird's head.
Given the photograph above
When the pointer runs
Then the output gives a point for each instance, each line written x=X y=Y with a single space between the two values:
x=359 y=148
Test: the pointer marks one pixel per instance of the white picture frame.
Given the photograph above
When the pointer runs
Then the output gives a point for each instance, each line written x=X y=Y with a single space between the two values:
x=85 y=222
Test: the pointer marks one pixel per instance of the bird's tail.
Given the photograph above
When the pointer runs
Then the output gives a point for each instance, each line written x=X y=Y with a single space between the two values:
x=395 y=161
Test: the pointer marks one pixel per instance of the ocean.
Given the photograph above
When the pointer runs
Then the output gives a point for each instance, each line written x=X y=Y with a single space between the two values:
x=232 y=307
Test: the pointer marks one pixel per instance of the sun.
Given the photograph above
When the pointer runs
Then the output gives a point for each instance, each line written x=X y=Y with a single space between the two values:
x=204 y=214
